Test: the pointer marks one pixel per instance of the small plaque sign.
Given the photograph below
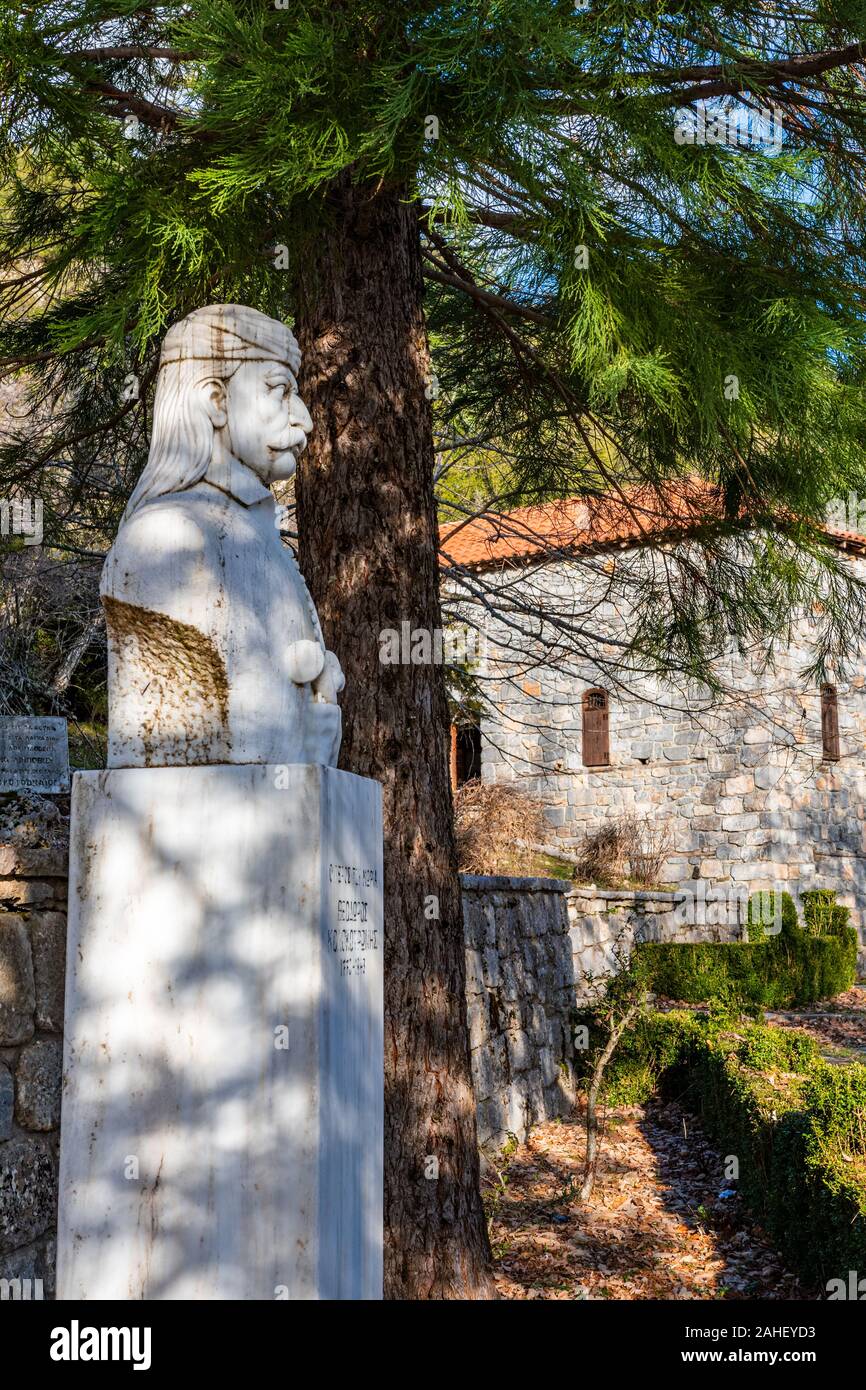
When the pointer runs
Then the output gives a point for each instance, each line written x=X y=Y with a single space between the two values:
x=34 y=754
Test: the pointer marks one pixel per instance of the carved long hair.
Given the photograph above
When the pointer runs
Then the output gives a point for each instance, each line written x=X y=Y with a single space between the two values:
x=181 y=443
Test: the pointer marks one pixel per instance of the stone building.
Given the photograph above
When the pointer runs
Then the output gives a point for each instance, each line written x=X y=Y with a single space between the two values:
x=763 y=786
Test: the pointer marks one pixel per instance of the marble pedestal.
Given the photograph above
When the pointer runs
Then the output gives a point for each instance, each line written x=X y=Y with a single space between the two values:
x=222 y=1107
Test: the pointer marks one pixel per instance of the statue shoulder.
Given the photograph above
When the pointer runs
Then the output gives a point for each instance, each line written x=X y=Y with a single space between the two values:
x=160 y=546
x=166 y=521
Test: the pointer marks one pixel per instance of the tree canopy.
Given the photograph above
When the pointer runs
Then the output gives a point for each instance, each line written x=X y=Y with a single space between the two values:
x=614 y=296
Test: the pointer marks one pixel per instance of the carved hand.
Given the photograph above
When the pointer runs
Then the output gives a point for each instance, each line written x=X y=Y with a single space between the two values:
x=327 y=685
x=305 y=661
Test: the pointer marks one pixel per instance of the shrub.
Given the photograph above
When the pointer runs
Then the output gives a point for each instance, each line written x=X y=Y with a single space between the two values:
x=810 y=1196
x=490 y=821
x=649 y=842
x=601 y=854
x=792 y=967
x=762 y=912
x=796 y=1125
x=653 y=1048
x=756 y=928
x=822 y=915
x=773 y=974
x=638 y=843
x=742 y=1110
x=767 y=1049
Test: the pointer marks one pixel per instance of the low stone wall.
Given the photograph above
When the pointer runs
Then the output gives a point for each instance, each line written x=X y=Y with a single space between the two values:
x=535 y=950
x=33 y=887
x=520 y=998
x=604 y=925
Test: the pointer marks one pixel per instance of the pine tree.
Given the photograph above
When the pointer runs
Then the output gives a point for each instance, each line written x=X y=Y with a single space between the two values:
x=624 y=284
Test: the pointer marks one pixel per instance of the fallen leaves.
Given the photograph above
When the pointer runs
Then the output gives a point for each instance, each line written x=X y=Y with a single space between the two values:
x=840 y=1022
x=656 y=1226
x=664 y=1220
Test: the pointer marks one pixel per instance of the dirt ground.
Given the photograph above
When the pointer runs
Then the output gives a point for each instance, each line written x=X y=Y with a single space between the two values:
x=662 y=1222
x=838 y=1023
x=656 y=1227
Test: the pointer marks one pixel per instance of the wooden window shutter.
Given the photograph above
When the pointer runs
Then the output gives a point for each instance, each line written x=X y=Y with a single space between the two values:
x=830 y=722
x=596 y=729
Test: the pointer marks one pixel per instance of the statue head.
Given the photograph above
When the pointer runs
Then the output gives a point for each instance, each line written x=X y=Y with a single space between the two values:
x=226 y=388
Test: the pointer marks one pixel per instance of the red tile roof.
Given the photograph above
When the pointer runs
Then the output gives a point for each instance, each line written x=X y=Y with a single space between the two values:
x=585 y=523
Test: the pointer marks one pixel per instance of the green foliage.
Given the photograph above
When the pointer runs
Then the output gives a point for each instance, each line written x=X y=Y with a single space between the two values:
x=796 y=1125
x=762 y=913
x=756 y=930
x=770 y=971
x=154 y=157
x=651 y=1049
x=662 y=1046
x=782 y=1049
x=836 y=1098
x=822 y=915
x=809 y=1194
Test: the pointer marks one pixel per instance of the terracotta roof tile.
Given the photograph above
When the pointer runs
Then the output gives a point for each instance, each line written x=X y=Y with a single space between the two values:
x=582 y=523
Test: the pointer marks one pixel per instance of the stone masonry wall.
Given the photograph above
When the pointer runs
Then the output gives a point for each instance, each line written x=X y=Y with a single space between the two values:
x=741 y=782
x=604 y=926
x=535 y=947
x=33 y=887
x=520 y=997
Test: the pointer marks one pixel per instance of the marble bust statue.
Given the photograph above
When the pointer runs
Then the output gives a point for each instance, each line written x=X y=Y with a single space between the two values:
x=215 y=650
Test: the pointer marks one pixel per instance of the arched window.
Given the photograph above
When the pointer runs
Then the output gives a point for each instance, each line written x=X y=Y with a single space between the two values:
x=829 y=723
x=596 y=729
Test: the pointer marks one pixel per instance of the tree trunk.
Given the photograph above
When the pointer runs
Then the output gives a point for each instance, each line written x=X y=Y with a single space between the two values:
x=591 y=1159
x=368 y=543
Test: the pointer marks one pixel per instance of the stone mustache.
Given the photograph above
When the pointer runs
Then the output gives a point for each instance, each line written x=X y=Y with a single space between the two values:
x=215 y=653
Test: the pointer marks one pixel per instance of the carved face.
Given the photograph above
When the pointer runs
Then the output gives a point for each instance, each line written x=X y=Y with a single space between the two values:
x=267 y=423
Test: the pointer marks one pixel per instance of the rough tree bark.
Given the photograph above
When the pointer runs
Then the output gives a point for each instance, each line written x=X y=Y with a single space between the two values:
x=367 y=525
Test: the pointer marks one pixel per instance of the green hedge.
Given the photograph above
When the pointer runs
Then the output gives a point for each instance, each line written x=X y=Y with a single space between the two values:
x=656 y=1047
x=828 y=1238
x=796 y=1124
x=822 y=915
x=797 y=966
x=805 y=1186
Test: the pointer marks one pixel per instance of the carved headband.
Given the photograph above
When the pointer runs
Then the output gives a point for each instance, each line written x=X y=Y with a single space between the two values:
x=230 y=333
